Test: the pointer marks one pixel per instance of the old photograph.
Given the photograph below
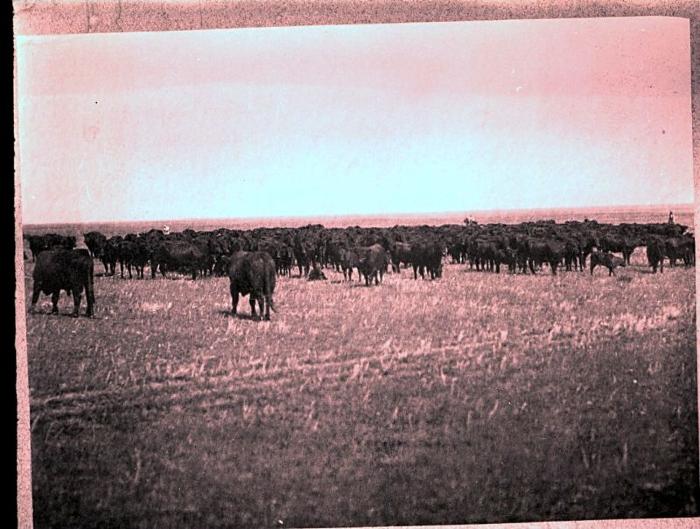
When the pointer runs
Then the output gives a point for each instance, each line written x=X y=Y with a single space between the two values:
x=360 y=275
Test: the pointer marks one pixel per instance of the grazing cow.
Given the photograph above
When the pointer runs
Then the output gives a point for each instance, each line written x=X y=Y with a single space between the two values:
x=253 y=273
x=607 y=260
x=69 y=270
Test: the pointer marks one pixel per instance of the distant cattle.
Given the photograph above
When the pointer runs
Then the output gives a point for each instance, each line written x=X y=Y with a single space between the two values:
x=253 y=273
x=69 y=270
x=607 y=260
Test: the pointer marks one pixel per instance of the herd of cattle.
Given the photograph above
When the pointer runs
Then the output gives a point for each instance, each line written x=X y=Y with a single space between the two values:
x=253 y=258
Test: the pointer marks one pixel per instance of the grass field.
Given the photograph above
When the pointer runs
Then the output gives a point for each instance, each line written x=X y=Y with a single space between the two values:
x=474 y=398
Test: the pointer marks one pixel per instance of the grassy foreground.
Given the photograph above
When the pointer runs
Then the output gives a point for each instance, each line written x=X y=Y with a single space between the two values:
x=474 y=398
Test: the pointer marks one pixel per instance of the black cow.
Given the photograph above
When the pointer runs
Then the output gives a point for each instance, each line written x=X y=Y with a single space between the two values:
x=37 y=244
x=179 y=256
x=49 y=241
x=607 y=260
x=426 y=256
x=656 y=250
x=110 y=254
x=69 y=270
x=253 y=273
x=95 y=241
x=545 y=251
x=348 y=261
x=133 y=252
x=372 y=263
x=400 y=253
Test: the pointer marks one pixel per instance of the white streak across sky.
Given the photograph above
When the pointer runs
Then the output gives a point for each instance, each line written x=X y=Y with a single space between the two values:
x=365 y=119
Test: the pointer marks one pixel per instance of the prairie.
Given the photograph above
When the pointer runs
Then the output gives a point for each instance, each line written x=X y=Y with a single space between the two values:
x=478 y=397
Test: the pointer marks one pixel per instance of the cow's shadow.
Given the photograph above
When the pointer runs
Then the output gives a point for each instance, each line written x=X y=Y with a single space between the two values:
x=48 y=313
x=247 y=316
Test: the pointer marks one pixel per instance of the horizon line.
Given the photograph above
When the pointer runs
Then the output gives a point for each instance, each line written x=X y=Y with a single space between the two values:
x=495 y=211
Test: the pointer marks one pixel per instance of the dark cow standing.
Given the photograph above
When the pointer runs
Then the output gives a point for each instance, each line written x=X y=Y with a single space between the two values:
x=372 y=263
x=656 y=250
x=607 y=260
x=180 y=256
x=110 y=254
x=253 y=273
x=69 y=270
x=95 y=241
x=400 y=253
x=348 y=261
x=426 y=256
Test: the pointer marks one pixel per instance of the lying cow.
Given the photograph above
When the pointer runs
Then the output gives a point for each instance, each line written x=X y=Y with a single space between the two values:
x=253 y=273
x=316 y=274
x=69 y=270
x=607 y=260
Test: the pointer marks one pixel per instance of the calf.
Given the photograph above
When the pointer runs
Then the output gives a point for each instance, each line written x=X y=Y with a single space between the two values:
x=607 y=260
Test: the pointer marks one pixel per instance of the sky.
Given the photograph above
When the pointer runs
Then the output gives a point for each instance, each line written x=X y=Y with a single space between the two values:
x=347 y=120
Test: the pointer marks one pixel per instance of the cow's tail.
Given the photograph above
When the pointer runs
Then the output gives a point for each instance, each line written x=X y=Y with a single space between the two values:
x=269 y=289
x=90 y=288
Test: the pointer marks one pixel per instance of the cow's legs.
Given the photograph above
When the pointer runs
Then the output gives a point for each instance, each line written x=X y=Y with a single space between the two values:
x=234 y=300
x=76 y=302
x=54 y=301
x=252 y=306
x=264 y=308
x=35 y=297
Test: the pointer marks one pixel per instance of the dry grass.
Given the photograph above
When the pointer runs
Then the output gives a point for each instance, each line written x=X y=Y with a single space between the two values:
x=478 y=397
